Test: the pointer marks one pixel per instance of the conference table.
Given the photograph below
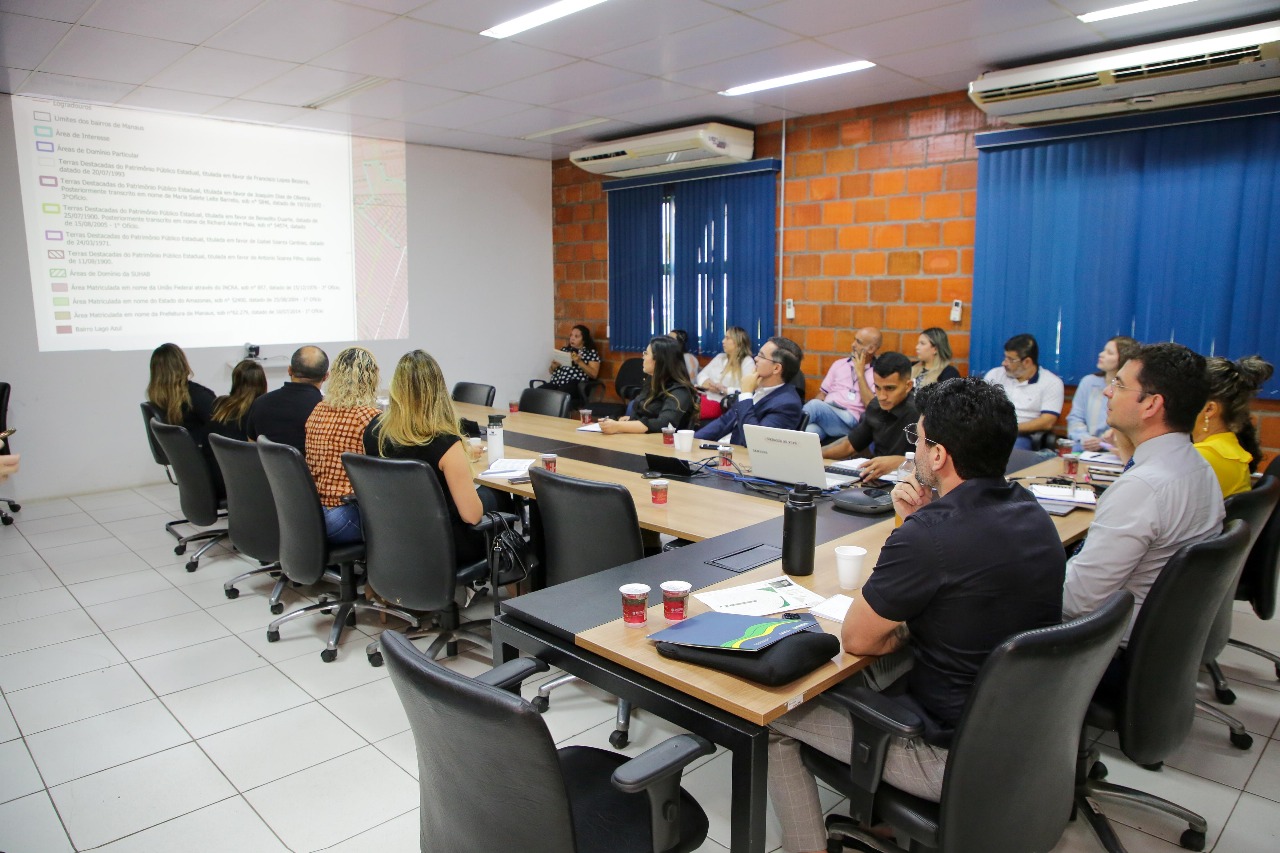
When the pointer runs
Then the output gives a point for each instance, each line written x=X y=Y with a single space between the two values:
x=577 y=627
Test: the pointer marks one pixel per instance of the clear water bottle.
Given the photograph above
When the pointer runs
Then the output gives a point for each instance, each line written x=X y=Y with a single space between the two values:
x=906 y=473
x=799 y=531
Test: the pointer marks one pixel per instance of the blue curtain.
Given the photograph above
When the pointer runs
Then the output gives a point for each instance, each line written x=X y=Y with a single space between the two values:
x=722 y=260
x=1166 y=233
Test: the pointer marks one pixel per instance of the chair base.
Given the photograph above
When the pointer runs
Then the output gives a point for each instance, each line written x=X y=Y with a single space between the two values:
x=230 y=591
x=620 y=736
x=208 y=537
x=1090 y=792
x=344 y=611
x=1275 y=659
x=1240 y=738
x=841 y=828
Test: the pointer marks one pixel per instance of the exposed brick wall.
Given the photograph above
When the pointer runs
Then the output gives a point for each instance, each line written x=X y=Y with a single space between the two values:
x=878 y=218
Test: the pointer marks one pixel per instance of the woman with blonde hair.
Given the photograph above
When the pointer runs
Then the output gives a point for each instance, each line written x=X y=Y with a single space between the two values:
x=1087 y=420
x=420 y=423
x=336 y=426
x=182 y=402
x=731 y=371
x=248 y=383
x=933 y=358
x=1224 y=432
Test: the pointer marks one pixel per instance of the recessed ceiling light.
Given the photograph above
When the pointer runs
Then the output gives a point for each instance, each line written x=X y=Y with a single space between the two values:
x=538 y=17
x=1129 y=9
x=802 y=77
x=577 y=125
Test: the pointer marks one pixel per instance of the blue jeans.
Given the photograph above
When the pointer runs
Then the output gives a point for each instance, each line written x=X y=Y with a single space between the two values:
x=828 y=421
x=342 y=524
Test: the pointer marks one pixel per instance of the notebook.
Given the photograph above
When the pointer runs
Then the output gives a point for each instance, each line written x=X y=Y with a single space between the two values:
x=789 y=456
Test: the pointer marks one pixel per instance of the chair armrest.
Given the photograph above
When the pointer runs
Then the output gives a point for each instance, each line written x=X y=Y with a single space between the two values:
x=510 y=675
x=535 y=383
x=868 y=707
x=350 y=499
x=656 y=772
x=486 y=524
x=877 y=719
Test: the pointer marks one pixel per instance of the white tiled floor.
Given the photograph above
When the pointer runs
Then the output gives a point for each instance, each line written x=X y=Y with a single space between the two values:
x=143 y=711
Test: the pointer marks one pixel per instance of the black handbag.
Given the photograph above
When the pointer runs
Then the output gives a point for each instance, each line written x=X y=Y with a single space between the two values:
x=510 y=557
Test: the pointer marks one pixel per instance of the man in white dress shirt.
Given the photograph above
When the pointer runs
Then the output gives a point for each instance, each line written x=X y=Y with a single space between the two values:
x=1168 y=497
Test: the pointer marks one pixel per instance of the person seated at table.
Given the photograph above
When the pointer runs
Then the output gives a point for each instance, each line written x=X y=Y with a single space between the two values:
x=933 y=358
x=883 y=426
x=1224 y=433
x=666 y=398
x=774 y=403
x=1036 y=393
x=8 y=463
x=584 y=364
x=281 y=415
x=336 y=426
x=183 y=402
x=248 y=383
x=690 y=360
x=846 y=389
x=939 y=601
x=729 y=372
x=1087 y=420
x=420 y=423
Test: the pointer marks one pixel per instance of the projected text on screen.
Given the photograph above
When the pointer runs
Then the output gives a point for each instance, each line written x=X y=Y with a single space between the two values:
x=145 y=227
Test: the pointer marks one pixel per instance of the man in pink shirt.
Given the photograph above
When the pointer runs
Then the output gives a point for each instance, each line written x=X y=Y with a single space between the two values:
x=846 y=390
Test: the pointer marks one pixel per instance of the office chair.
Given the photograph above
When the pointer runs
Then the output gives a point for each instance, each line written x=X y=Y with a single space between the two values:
x=1261 y=576
x=1008 y=783
x=586 y=527
x=799 y=381
x=545 y=401
x=150 y=412
x=305 y=552
x=251 y=514
x=196 y=492
x=626 y=385
x=409 y=550
x=1149 y=696
x=473 y=392
x=1255 y=507
x=491 y=777
x=13 y=505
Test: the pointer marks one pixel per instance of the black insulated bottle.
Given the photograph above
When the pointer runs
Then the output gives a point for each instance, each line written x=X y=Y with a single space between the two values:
x=799 y=531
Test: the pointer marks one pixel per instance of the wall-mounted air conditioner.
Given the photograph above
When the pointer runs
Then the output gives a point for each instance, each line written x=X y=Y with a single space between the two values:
x=1238 y=63
x=685 y=148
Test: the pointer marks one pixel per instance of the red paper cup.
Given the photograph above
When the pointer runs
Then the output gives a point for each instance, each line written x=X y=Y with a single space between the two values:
x=658 y=491
x=726 y=456
x=675 y=599
x=1071 y=466
x=549 y=462
x=669 y=435
x=635 y=604
x=513 y=406
x=585 y=414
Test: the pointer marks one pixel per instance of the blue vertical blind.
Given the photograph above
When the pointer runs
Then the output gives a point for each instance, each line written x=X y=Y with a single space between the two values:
x=696 y=255
x=1167 y=233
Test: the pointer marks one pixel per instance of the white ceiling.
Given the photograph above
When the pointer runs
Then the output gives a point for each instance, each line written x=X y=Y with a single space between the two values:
x=638 y=64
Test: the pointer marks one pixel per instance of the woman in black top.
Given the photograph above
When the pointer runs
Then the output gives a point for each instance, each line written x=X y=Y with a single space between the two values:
x=667 y=397
x=248 y=383
x=182 y=402
x=584 y=363
x=420 y=423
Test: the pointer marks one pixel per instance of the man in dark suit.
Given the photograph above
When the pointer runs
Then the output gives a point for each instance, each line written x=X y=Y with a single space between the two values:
x=776 y=402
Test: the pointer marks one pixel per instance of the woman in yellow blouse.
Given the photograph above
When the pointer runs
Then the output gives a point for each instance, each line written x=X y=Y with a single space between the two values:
x=1224 y=433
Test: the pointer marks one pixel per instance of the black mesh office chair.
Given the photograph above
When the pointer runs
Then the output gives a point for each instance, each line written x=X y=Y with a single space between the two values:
x=491 y=777
x=409 y=550
x=13 y=505
x=626 y=385
x=473 y=392
x=1255 y=507
x=196 y=492
x=1009 y=777
x=1150 y=701
x=586 y=527
x=251 y=514
x=545 y=401
x=1261 y=576
x=305 y=553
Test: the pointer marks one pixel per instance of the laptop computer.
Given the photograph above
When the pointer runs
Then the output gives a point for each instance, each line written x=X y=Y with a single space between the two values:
x=789 y=456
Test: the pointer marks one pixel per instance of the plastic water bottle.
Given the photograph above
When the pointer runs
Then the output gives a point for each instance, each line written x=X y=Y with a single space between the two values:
x=495 y=438
x=799 y=531
x=906 y=473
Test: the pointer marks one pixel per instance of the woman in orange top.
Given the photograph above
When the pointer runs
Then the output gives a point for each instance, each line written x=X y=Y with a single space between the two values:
x=336 y=426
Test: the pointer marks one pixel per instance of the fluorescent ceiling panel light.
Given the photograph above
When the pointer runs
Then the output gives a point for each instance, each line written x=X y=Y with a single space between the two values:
x=577 y=125
x=1129 y=9
x=538 y=17
x=361 y=86
x=802 y=77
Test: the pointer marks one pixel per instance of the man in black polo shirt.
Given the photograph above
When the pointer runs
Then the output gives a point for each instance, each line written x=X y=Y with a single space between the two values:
x=941 y=598
x=281 y=415
x=882 y=424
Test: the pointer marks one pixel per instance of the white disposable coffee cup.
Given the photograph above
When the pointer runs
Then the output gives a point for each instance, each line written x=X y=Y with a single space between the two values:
x=851 y=566
x=684 y=439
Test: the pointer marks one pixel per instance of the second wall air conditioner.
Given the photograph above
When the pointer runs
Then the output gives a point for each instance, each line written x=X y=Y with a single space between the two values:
x=1231 y=64
x=708 y=144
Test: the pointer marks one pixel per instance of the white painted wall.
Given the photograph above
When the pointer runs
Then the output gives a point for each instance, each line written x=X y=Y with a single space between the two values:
x=480 y=301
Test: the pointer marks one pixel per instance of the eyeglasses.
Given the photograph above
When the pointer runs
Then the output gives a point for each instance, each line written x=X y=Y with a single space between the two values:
x=1117 y=385
x=913 y=436
x=1017 y=359
x=766 y=358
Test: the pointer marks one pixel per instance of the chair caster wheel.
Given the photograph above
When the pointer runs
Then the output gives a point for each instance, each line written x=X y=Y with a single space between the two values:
x=6 y=521
x=273 y=636
x=329 y=655
x=231 y=592
x=1225 y=697
x=1278 y=672
x=1155 y=768
x=14 y=507
x=617 y=739
x=1241 y=741
x=179 y=549
x=540 y=704
x=192 y=565
x=277 y=608
x=1098 y=771
x=351 y=619
x=375 y=659
x=1192 y=840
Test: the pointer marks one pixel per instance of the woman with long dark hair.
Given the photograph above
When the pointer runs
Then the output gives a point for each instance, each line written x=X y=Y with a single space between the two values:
x=248 y=383
x=182 y=402
x=667 y=396
x=584 y=363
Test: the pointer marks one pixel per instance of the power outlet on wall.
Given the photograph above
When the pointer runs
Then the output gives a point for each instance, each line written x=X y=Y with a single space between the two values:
x=791 y=309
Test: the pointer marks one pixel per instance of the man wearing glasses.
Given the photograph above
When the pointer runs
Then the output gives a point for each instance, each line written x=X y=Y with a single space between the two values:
x=1036 y=393
x=775 y=403
x=886 y=423
x=1168 y=495
x=940 y=600
x=846 y=390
